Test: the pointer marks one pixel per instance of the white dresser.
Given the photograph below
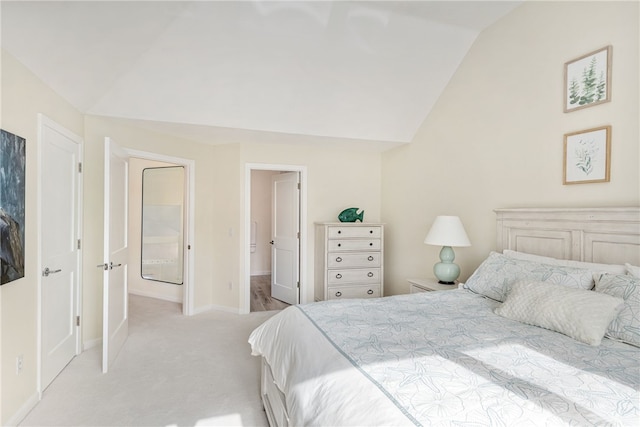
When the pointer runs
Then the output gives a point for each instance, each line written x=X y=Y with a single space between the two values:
x=349 y=260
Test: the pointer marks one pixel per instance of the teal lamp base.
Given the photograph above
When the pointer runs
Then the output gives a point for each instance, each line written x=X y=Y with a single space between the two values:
x=446 y=271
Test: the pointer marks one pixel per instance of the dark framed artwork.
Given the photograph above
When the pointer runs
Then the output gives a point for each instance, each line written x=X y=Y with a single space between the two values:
x=12 y=206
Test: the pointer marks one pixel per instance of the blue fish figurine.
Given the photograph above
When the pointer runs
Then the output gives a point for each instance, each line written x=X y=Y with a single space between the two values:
x=351 y=215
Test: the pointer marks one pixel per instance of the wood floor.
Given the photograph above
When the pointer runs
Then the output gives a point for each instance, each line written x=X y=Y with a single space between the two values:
x=261 y=295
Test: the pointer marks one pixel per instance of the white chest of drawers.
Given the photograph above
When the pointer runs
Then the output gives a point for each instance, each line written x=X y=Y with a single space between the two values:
x=349 y=260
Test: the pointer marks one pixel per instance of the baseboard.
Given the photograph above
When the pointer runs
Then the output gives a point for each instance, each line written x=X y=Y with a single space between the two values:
x=86 y=345
x=155 y=295
x=24 y=410
x=261 y=273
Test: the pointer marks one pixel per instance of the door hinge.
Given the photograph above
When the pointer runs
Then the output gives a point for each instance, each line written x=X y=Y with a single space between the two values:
x=79 y=167
x=298 y=285
x=298 y=234
x=78 y=244
x=298 y=186
x=77 y=320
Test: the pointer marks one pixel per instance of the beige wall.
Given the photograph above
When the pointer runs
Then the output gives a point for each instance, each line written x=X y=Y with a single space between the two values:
x=339 y=177
x=495 y=137
x=23 y=97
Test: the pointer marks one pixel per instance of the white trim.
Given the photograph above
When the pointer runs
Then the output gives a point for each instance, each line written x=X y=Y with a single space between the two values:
x=46 y=121
x=24 y=410
x=189 y=254
x=155 y=295
x=306 y=291
x=91 y=344
x=261 y=273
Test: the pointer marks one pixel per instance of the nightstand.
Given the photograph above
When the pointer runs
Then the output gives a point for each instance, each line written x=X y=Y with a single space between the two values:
x=428 y=285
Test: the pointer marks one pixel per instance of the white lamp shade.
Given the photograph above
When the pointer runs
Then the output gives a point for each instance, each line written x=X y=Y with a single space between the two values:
x=447 y=231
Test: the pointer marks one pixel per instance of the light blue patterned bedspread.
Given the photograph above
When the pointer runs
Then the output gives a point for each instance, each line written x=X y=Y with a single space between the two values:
x=444 y=358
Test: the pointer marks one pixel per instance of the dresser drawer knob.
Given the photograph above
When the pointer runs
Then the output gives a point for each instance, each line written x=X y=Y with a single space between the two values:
x=339 y=244
x=370 y=292
x=338 y=276
x=338 y=294
x=371 y=244
x=370 y=274
x=339 y=231
x=370 y=258
x=370 y=231
x=339 y=259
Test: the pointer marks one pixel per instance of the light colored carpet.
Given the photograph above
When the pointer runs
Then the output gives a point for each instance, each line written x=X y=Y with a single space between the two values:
x=173 y=371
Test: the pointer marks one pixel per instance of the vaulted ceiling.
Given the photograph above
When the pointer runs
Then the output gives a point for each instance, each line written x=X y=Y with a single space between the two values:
x=219 y=70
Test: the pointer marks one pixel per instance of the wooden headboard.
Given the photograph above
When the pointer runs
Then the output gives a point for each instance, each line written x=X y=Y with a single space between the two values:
x=601 y=235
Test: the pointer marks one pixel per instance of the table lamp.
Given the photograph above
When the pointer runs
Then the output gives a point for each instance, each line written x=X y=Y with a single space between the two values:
x=447 y=231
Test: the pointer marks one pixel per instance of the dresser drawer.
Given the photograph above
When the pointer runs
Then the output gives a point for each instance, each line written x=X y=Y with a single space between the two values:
x=349 y=232
x=353 y=259
x=353 y=245
x=355 y=275
x=372 y=291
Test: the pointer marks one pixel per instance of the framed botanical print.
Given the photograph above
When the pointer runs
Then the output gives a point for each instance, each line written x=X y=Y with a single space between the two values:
x=587 y=156
x=587 y=80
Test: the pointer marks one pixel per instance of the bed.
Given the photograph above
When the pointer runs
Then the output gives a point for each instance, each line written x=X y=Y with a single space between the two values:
x=545 y=332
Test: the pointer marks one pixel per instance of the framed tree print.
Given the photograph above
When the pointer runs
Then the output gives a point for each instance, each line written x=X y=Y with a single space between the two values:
x=587 y=80
x=587 y=156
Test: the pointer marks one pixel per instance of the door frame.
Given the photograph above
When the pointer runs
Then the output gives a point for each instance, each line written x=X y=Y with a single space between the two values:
x=46 y=121
x=189 y=226
x=245 y=294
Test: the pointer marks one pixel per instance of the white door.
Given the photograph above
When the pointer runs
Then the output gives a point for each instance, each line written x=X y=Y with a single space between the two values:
x=285 y=250
x=115 y=326
x=59 y=201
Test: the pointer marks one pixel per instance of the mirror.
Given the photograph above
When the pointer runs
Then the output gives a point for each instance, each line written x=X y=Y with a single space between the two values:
x=163 y=224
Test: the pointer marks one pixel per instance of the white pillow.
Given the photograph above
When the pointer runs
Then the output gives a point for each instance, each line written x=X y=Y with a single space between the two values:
x=594 y=267
x=626 y=326
x=632 y=270
x=494 y=277
x=578 y=313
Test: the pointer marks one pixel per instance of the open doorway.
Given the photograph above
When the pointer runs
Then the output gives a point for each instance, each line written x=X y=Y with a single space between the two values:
x=144 y=277
x=156 y=229
x=274 y=217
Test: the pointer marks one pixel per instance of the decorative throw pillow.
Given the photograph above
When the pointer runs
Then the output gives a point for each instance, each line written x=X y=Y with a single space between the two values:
x=578 y=313
x=594 y=267
x=494 y=277
x=626 y=326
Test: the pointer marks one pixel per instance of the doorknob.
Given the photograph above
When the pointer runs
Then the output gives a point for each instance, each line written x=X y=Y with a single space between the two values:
x=109 y=266
x=47 y=271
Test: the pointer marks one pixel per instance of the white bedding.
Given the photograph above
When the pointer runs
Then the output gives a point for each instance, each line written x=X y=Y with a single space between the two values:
x=441 y=358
